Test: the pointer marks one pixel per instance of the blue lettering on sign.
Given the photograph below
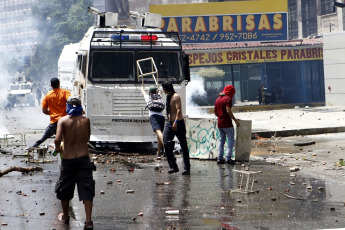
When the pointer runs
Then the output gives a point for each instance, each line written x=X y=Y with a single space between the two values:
x=229 y=28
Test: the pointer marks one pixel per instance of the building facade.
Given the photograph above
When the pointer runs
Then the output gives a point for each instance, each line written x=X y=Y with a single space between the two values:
x=291 y=71
x=123 y=6
x=18 y=33
x=297 y=80
x=308 y=20
x=334 y=65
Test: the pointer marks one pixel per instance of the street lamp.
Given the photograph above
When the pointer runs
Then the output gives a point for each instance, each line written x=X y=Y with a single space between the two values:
x=338 y=4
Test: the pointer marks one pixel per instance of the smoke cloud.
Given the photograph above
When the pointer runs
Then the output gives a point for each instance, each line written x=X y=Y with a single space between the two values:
x=195 y=88
x=3 y=95
x=4 y=82
x=16 y=47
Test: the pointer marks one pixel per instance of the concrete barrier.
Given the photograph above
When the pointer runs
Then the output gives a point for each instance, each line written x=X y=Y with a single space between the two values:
x=203 y=139
x=243 y=140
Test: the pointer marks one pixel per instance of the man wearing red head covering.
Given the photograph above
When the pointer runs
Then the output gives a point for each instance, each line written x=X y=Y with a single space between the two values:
x=228 y=90
x=222 y=110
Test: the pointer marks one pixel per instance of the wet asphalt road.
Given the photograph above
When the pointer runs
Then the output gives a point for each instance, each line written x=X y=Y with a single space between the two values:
x=203 y=199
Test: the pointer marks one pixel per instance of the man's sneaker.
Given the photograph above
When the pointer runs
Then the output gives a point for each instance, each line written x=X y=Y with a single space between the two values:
x=88 y=225
x=173 y=170
x=185 y=172
x=231 y=162
x=221 y=162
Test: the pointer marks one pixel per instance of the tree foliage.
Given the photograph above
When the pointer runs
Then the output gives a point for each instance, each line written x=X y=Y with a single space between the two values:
x=59 y=22
x=212 y=72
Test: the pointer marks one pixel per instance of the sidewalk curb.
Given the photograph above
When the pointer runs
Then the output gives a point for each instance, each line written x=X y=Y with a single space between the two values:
x=296 y=132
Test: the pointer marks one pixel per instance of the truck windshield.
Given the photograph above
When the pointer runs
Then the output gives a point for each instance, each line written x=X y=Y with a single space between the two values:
x=167 y=63
x=107 y=66
x=112 y=66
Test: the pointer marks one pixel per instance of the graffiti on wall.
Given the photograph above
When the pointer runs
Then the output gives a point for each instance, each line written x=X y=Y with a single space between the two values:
x=203 y=138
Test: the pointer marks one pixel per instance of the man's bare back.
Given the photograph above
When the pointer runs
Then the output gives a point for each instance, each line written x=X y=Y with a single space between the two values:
x=175 y=108
x=75 y=133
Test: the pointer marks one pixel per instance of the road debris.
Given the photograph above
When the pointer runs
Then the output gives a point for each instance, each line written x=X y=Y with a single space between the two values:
x=294 y=169
x=164 y=183
x=304 y=143
x=3 y=151
x=341 y=162
x=172 y=212
x=20 y=169
x=292 y=197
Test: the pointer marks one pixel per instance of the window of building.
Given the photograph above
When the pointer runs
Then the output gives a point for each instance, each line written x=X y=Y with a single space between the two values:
x=327 y=7
x=293 y=23
x=309 y=17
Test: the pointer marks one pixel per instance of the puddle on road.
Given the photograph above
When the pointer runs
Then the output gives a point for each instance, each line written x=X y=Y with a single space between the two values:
x=204 y=201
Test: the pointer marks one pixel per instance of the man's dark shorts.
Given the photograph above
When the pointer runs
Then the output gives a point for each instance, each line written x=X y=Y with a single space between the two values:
x=157 y=122
x=75 y=171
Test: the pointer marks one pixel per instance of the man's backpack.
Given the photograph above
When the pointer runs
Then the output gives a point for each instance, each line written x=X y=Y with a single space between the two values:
x=155 y=103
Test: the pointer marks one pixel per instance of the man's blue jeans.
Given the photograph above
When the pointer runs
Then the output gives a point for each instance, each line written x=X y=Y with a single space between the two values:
x=226 y=132
x=50 y=131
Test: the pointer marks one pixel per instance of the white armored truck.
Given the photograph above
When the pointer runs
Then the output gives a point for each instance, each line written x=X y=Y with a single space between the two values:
x=107 y=68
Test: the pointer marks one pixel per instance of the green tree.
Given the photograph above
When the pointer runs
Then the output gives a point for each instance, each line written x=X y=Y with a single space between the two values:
x=59 y=22
x=211 y=72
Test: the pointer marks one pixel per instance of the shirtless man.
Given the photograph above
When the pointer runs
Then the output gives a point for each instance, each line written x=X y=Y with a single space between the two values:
x=76 y=168
x=175 y=127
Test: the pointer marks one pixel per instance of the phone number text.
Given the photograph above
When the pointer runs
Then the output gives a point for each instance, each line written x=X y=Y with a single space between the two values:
x=219 y=37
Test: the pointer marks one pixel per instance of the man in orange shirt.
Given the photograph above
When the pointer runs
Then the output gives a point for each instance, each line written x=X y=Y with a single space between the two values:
x=54 y=105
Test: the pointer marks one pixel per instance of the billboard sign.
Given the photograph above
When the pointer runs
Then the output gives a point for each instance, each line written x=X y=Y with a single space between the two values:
x=244 y=21
x=228 y=28
x=255 y=56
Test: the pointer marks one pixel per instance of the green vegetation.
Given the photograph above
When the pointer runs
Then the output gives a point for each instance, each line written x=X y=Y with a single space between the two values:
x=59 y=22
x=212 y=72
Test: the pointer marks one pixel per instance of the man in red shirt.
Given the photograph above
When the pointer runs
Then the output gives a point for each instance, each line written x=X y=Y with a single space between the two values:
x=54 y=105
x=225 y=116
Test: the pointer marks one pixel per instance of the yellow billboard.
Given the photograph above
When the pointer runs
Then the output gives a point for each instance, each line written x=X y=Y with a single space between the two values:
x=239 y=21
x=255 y=56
